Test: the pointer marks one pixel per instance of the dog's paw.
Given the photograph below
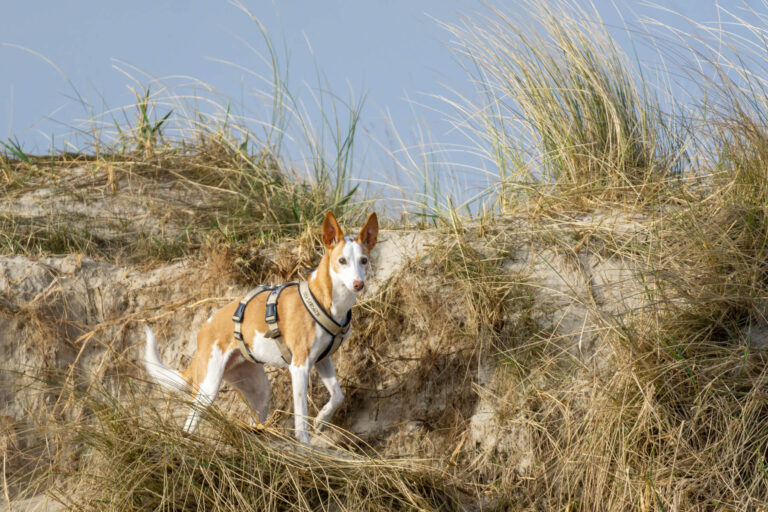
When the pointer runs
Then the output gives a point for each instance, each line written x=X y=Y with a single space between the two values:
x=257 y=429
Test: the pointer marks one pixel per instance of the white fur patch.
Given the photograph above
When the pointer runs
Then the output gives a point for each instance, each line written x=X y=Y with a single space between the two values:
x=209 y=388
x=210 y=385
x=160 y=373
x=342 y=281
x=265 y=350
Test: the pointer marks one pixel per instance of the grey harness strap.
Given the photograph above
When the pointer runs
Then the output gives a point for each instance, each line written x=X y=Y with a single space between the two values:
x=270 y=317
x=314 y=308
x=240 y=311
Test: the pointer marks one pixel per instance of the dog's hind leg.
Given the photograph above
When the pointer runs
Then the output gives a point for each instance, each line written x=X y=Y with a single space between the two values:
x=209 y=387
x=253 y=384
x=328 y=375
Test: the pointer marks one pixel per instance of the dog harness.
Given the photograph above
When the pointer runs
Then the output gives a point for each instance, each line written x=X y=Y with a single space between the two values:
x=316 y=311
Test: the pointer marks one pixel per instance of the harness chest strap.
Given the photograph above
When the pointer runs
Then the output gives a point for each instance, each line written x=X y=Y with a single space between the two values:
x=328 y=324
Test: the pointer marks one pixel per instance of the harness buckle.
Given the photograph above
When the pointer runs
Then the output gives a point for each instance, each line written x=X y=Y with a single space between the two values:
x=239 y=312
x=272 y=333
x=270 y=314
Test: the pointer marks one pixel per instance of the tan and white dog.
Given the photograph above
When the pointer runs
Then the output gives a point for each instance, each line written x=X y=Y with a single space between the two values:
x=335 y=283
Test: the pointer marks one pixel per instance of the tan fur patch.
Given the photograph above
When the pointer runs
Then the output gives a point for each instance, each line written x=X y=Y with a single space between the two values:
x=296 y=324
x=336 y=253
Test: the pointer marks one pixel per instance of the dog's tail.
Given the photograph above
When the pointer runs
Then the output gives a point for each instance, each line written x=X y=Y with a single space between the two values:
x=160 y=373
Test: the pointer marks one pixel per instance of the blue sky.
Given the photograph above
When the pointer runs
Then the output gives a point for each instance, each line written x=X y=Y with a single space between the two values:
x=391 y=51
x=388 y=50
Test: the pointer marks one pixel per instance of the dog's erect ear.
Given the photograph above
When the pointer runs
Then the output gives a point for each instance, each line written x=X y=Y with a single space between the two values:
x=332 y=233
x=370 y=232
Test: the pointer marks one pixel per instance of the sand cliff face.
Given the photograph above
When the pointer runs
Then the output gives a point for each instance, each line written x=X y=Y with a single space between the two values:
x=416 y=377
x=487 y=351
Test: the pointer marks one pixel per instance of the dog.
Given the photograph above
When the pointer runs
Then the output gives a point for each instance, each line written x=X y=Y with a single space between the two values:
x=335 y=285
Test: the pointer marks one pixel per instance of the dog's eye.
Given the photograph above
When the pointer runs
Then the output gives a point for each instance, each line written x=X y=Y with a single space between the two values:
x=363 y=260
x=342 y=261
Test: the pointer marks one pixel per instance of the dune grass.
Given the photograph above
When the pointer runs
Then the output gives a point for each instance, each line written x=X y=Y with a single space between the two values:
x=563 y=111
x=110 y=449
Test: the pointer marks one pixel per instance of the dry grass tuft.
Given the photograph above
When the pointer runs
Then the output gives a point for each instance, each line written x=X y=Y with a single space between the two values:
x=129 y=207
x=122 y=453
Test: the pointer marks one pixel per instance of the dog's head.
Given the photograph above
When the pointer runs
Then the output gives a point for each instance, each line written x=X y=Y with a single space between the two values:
x=348 y=256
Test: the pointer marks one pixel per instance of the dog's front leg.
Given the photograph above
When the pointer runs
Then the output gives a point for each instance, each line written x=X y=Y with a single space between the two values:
x=331 y=383
x=300 y=383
